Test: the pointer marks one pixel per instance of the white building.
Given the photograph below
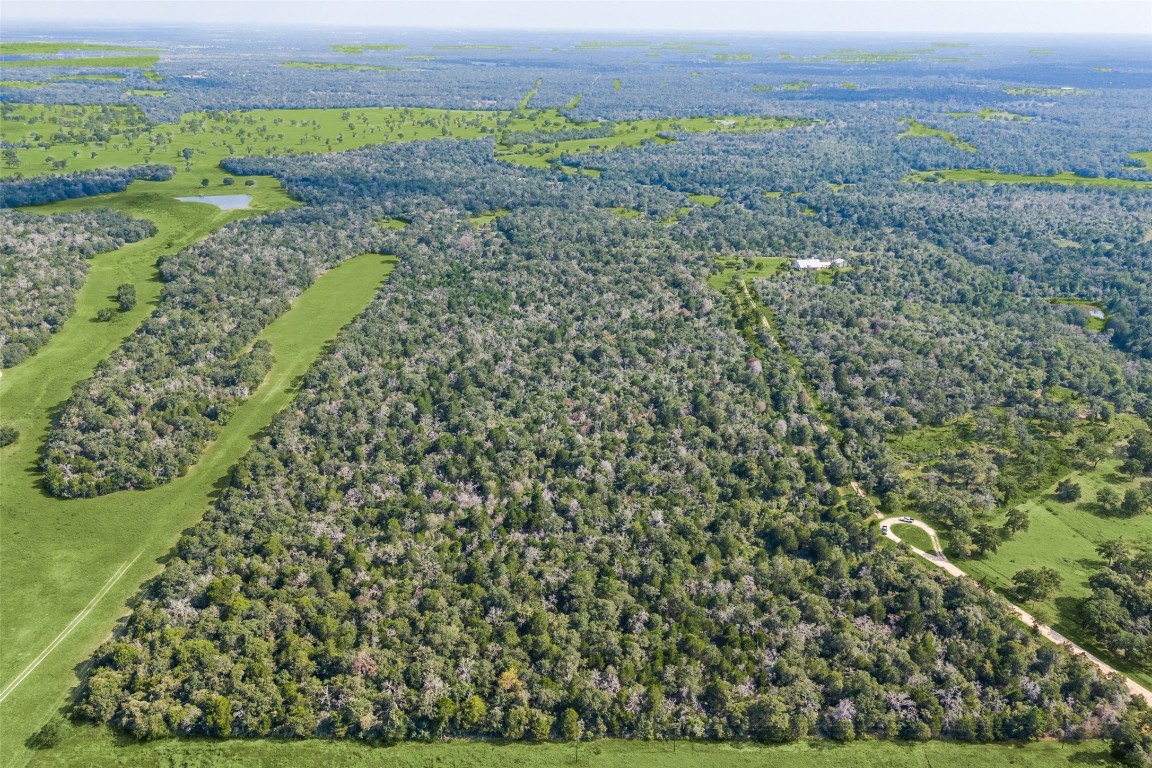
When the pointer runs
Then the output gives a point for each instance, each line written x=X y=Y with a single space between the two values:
x=818 y=263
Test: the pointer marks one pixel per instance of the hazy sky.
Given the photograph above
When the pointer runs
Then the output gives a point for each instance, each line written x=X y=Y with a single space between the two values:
x=936 y=16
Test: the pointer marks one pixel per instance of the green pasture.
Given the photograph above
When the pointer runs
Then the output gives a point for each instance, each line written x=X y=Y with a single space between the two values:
x=773 y=195
x=146 y=92
x=989 y=176
x=1097 y=324
x=356 y=48
x=1062 y=536
x=97 y=748
x=800 y=85
x=48 y=49
x=121 y=62
x=627 y=213
x=331 y=65
x=90 y=78
x=913 y=536
x=992 y=114
x=708 y=201
x=487 y=217
x=394 y=223
x=1039 y=90
x=24 y=83
x=1145 y=158
x=65 y=557
x=197 y=143
x=917 y=130
x=748 y=268
x=472 y=47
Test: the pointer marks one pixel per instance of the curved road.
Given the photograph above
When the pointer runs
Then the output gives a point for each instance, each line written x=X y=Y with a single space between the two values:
x=938 y=559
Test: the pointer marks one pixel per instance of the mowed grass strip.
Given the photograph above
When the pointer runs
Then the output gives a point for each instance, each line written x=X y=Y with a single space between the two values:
x=917 y=130
x=58 y=553
x=989 y=176
x=98 y=748
x=123 y=62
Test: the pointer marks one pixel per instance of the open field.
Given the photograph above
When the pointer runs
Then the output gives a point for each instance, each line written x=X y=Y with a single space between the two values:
x=57 y=558
x=486 y=217
x=356 y=48
x=47 y=49
x=627 y=213
x=85 y=746
x=708 y=201
x=199 y=141
x=989 y=176
x=330 y=65
x=122 y=62
x=917 y=130
x=1062 y=536
x=992 y=114
x=761 y=267
x=1032 y=90
x=914 y=536
x=1144 y=158
x=1098 y=324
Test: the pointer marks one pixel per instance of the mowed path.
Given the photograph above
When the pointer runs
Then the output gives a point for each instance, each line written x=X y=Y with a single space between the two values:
x=57 y=555
x=938 y=559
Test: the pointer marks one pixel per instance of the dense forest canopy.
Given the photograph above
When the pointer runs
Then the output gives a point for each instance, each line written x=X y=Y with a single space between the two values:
x=597 y=460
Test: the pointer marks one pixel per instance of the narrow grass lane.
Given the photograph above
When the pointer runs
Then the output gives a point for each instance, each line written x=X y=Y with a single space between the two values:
x=58 y=553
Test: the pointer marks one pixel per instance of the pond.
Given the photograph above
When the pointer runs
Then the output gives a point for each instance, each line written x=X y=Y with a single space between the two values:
x=223 y=202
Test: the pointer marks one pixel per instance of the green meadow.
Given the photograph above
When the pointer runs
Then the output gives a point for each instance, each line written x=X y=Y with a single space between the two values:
x=120 y=62
x=917 y=130
x=1061 y=535
x=989 y=176
x=357 y=48
x=331 y=65
x=48 y=49
x=487 y=217
x=61 y=139
x=708 y=201
x=1034 y=90
x=1098 y=324
x=97 y=748
x=992 y=114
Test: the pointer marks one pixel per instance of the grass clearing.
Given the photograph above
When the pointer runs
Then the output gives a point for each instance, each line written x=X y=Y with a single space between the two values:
x=775 y=195
x=394 y=223
x=627 y=213
x=121 y=62
x=1039 y=90
x=48 y=49
x=913 y=536
x=708 y=201
x=487 y=217
x=61 y=138
x=989 y=176
x=1144 y=158
x=358 y=48
x=90 y=78
x=1061 y=535
x=331 y=65
x=1096 y=315
x=748 y=268
x=992 y=114
x=146 y=92
x=1064 y=536
x=98 y=748
x=24 y=83
x=917 y=130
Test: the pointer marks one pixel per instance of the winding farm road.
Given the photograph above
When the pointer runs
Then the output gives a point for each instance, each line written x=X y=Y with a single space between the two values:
x=938 y=559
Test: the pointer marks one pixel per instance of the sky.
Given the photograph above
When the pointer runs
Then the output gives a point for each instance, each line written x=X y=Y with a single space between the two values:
x=1017 y=17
